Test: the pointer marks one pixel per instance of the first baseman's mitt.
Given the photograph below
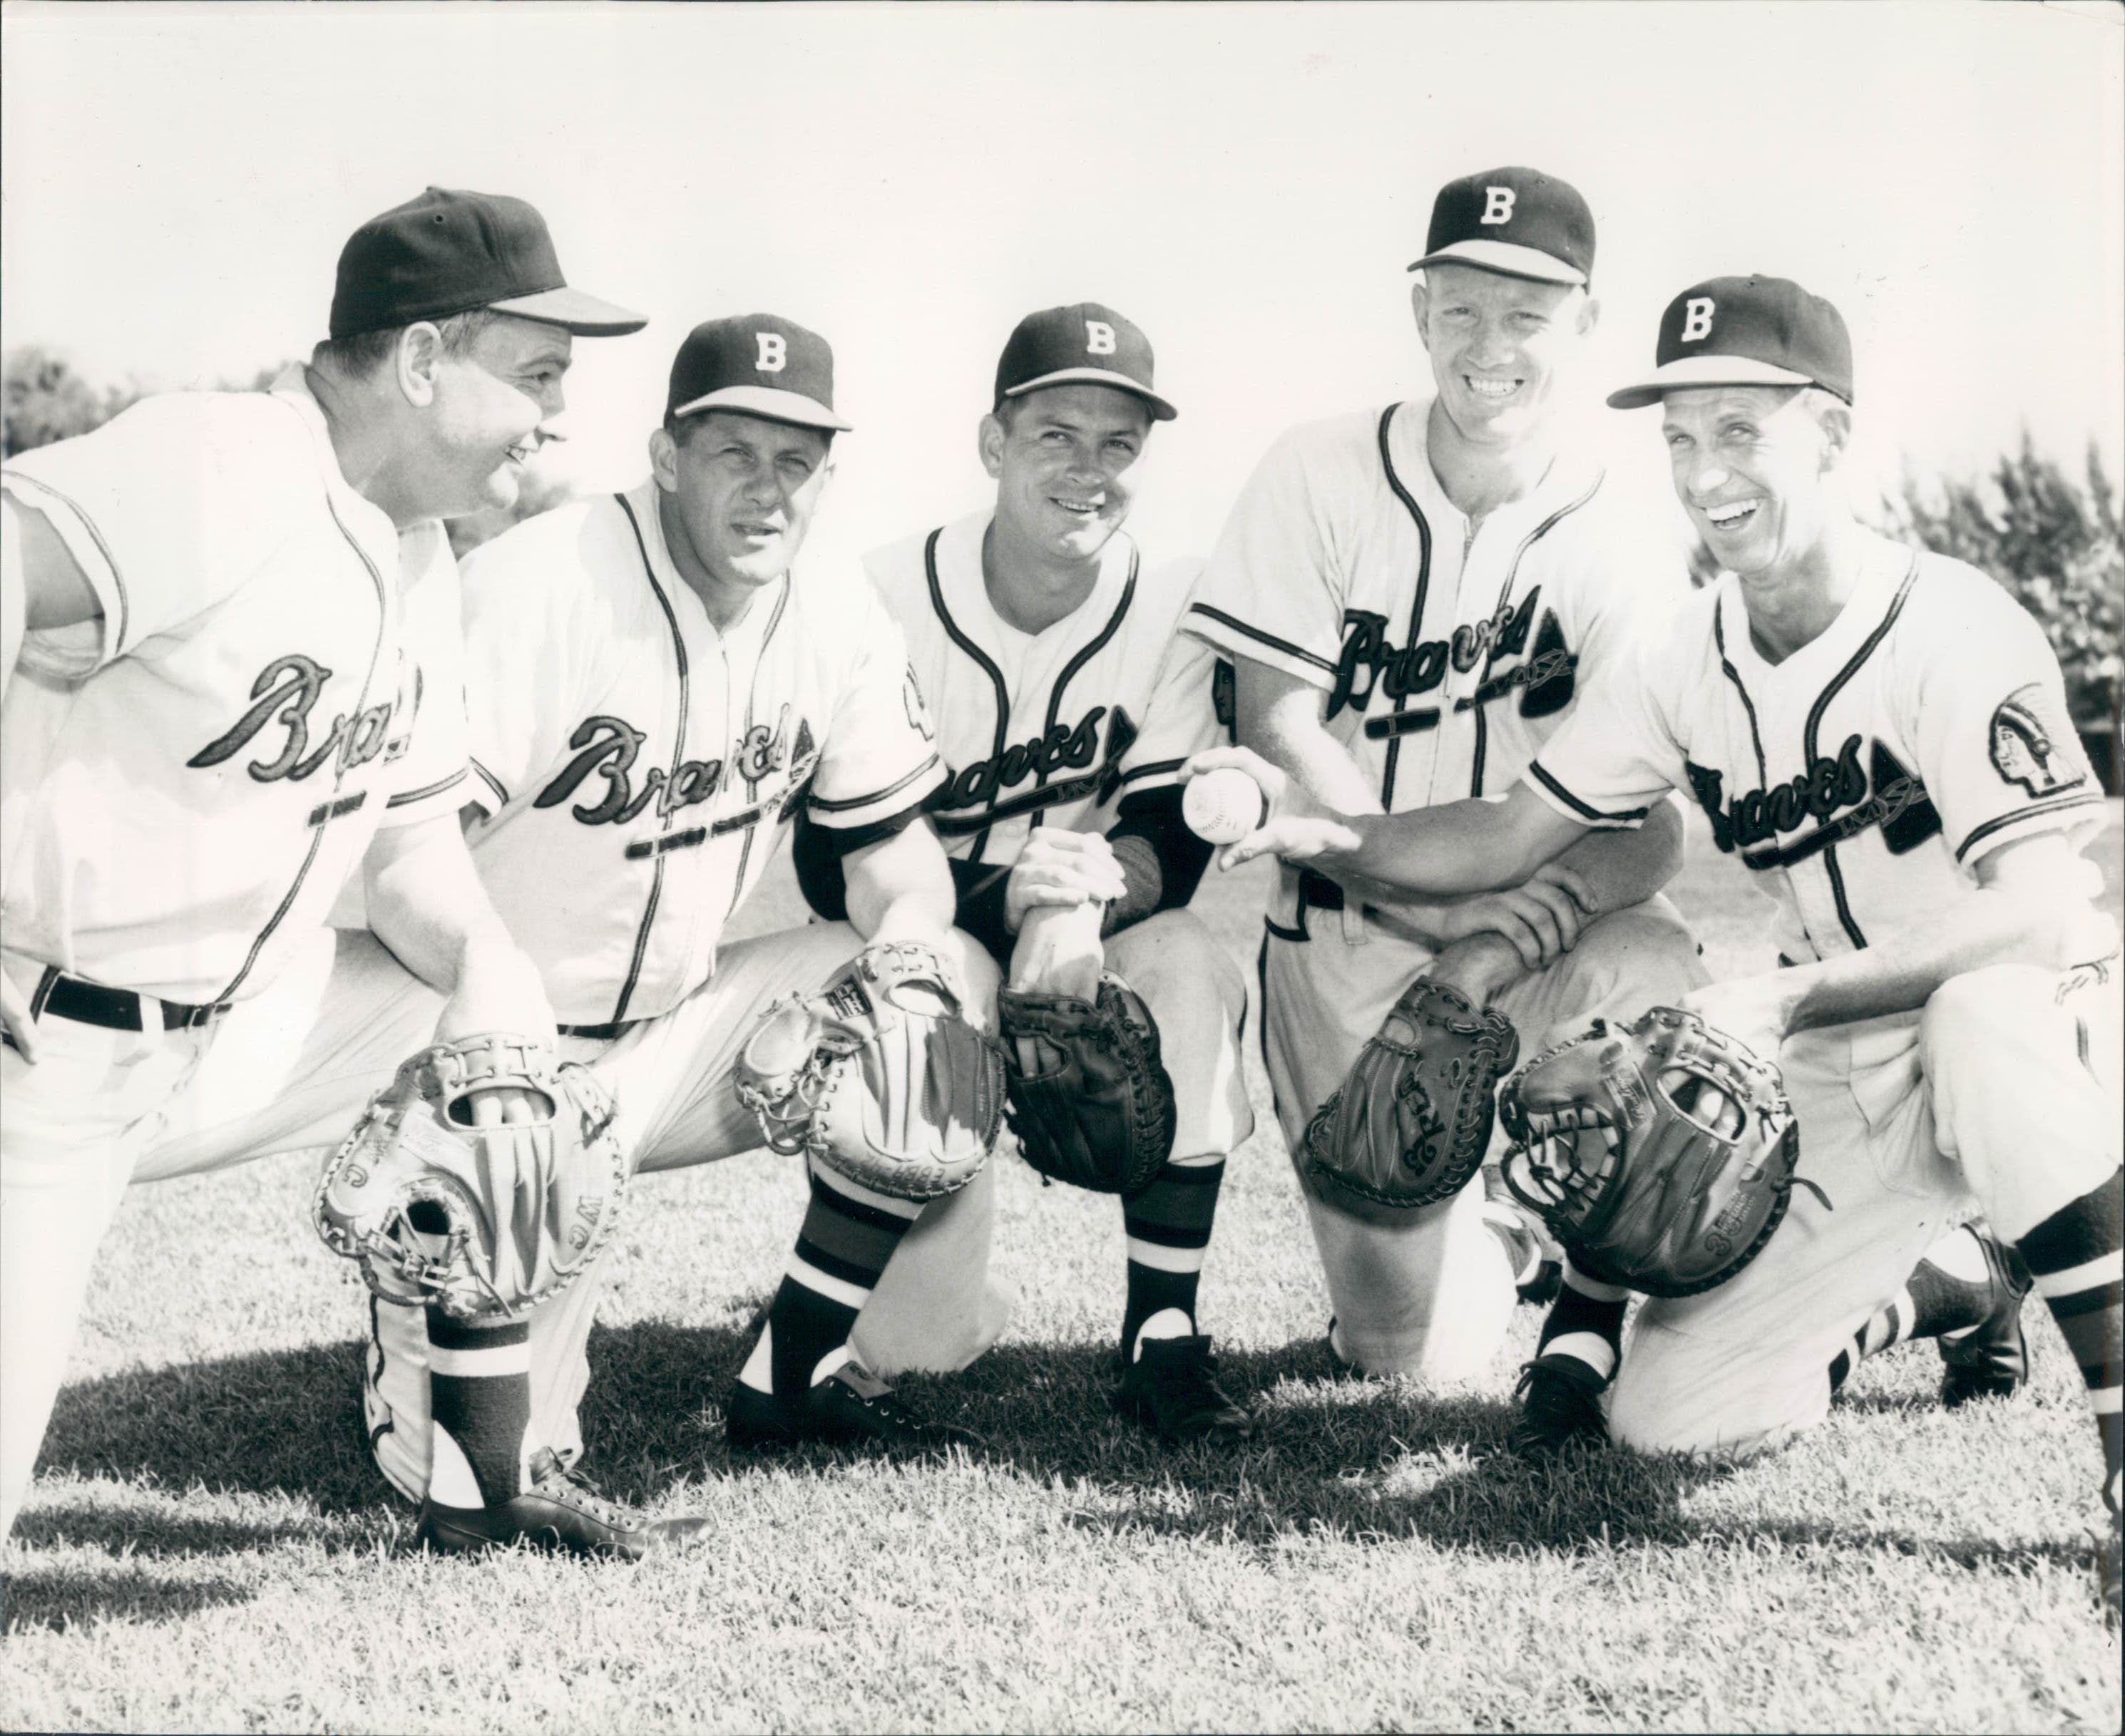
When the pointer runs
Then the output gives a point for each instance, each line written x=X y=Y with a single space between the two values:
x=1412 y=1121
x=879 y=1075
x=485 y=1221
x=1090 y=1099
x=1661 y=1154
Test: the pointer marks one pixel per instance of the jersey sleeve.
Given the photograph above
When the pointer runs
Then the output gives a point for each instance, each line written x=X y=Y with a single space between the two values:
x=430 y=776
x=1617 y=753
x=1181 y=718
x=531 y=636
x=1986 y=710
x=879 y=760
x=1272 y=591
x=170 y=507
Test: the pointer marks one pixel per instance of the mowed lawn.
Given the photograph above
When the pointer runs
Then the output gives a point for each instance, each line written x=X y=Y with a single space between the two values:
x=208 y=1547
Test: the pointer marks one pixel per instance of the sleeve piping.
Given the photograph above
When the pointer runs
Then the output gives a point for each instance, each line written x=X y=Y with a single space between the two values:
x=491 y=782
x=2036 y=811
x=407 y=798
x=1583 y=811
x=1283 y=647
x=821 y=804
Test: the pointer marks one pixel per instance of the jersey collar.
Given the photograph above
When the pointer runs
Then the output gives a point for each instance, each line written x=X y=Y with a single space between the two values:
x=1886 y=563
x=643 y=499
x=1409 y=444
x=368 y=523
x=967 y=594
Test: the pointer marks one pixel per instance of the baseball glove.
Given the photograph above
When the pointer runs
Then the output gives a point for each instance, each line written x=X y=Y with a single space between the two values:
x=1088 y=1098
x=1661 y=1154
x=1412 y=1120
x=485 y=1221
x=879 y=1075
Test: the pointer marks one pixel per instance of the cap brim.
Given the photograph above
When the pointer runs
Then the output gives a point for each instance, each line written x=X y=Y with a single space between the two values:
x=1161 y=410
x=769 y=405
x=1507 y=260
x=1694 y=371
x=571 y=309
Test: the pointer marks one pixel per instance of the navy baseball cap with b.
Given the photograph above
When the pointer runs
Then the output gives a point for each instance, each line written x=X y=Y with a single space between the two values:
x=1081 y=344
x=757 y=365
x=450 y=252
x=1517 y=223
x=1746 y=332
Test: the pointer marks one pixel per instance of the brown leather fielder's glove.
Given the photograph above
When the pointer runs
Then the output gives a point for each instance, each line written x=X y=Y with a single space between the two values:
x=486 y=1221
x=879 y=1075
x=1413 y=1118
x=1090 y=1099
x=1661 y=1154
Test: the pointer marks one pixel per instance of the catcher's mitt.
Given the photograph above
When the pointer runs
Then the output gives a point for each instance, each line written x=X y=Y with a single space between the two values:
x=485 y=1221
x=1661 y=1154
x=1089 y=1098
x=1412 y=1120
x=878 y=1075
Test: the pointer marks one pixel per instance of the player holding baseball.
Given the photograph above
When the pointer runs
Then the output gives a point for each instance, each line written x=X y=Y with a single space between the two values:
x=1880 y=735
x=1065 y=705
x=1415 y=598
x=216 y=712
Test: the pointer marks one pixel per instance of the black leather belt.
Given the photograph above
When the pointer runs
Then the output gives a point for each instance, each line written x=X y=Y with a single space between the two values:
x=597 y=1033
x=1316 y=891
x=115 y=1010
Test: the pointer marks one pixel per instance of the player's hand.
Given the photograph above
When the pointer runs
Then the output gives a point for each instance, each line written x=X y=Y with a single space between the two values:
x=498 y=989
x=1753 y=1010
x=1540 y=919
x=1061 y=867
x=15 y=1019
x=1297 y=828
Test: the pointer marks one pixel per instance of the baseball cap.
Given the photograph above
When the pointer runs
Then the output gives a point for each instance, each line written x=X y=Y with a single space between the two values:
x=1746 y=332
x=450 y=252
x=758 y=365
x=1081 y=344
x=1518 y=223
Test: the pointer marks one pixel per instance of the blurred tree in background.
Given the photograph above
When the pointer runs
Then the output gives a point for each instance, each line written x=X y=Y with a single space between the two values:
x=48 y=400
x=2054 y=542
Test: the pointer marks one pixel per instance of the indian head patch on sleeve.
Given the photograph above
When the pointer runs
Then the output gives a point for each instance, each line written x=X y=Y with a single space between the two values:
x=2033 y=748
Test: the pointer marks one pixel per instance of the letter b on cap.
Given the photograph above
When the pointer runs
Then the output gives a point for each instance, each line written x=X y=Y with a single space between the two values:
x=1696 y=319
x=774 y=352
x=1497 y=205
x=1099 y=337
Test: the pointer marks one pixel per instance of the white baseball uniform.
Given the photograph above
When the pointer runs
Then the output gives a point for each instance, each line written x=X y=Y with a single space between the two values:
x=185 y=782
x=1863 y=778
x=1055 y=728
x=638 y=769
x=1449 y=650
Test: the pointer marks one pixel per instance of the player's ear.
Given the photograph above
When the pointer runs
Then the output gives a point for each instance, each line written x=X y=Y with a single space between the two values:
x=1590 y=315
x=416 y=360
x=1419 y=304
x=1834 y=418
x=990 y=441
x=664 y=460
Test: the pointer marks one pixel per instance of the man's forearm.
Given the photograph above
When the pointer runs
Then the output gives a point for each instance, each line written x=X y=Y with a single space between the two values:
x=1627 y=867
x=1442 y=852
x=900 y=887
x=425 y=903
x=1899 y=974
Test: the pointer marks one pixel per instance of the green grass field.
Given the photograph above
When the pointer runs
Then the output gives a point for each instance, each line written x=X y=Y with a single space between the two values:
x=209 y=1549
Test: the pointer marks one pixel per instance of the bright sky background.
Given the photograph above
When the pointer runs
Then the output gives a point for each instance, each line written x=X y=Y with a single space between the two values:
x=1245 y=182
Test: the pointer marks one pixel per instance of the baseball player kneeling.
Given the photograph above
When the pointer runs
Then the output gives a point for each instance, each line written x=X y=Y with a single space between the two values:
x=1416 y=597
x=1065 y=704
x=219 y=709
x=1882 y=735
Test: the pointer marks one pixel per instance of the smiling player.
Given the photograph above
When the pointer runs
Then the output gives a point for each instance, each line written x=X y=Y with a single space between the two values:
x=1415 y=597
x=1880 y=734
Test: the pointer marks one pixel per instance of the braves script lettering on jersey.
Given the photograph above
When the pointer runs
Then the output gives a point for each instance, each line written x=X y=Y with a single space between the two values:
x=1448 y=651
x=640 y=768
x=247 y=700
x=1864 y=776
x=1053 y=728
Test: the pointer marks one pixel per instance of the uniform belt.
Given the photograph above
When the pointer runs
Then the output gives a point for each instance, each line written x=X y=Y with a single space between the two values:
x=115 y=1010
x=597 y=1033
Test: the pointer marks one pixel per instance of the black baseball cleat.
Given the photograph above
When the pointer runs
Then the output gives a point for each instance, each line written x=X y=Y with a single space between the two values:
x=1171 y=1388
x=851 y=1407
x=1991 y=1361
x=1560 y=1404
x=561 y=1511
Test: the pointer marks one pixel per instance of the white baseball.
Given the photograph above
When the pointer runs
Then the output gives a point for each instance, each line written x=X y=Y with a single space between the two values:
x=1224 y=806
